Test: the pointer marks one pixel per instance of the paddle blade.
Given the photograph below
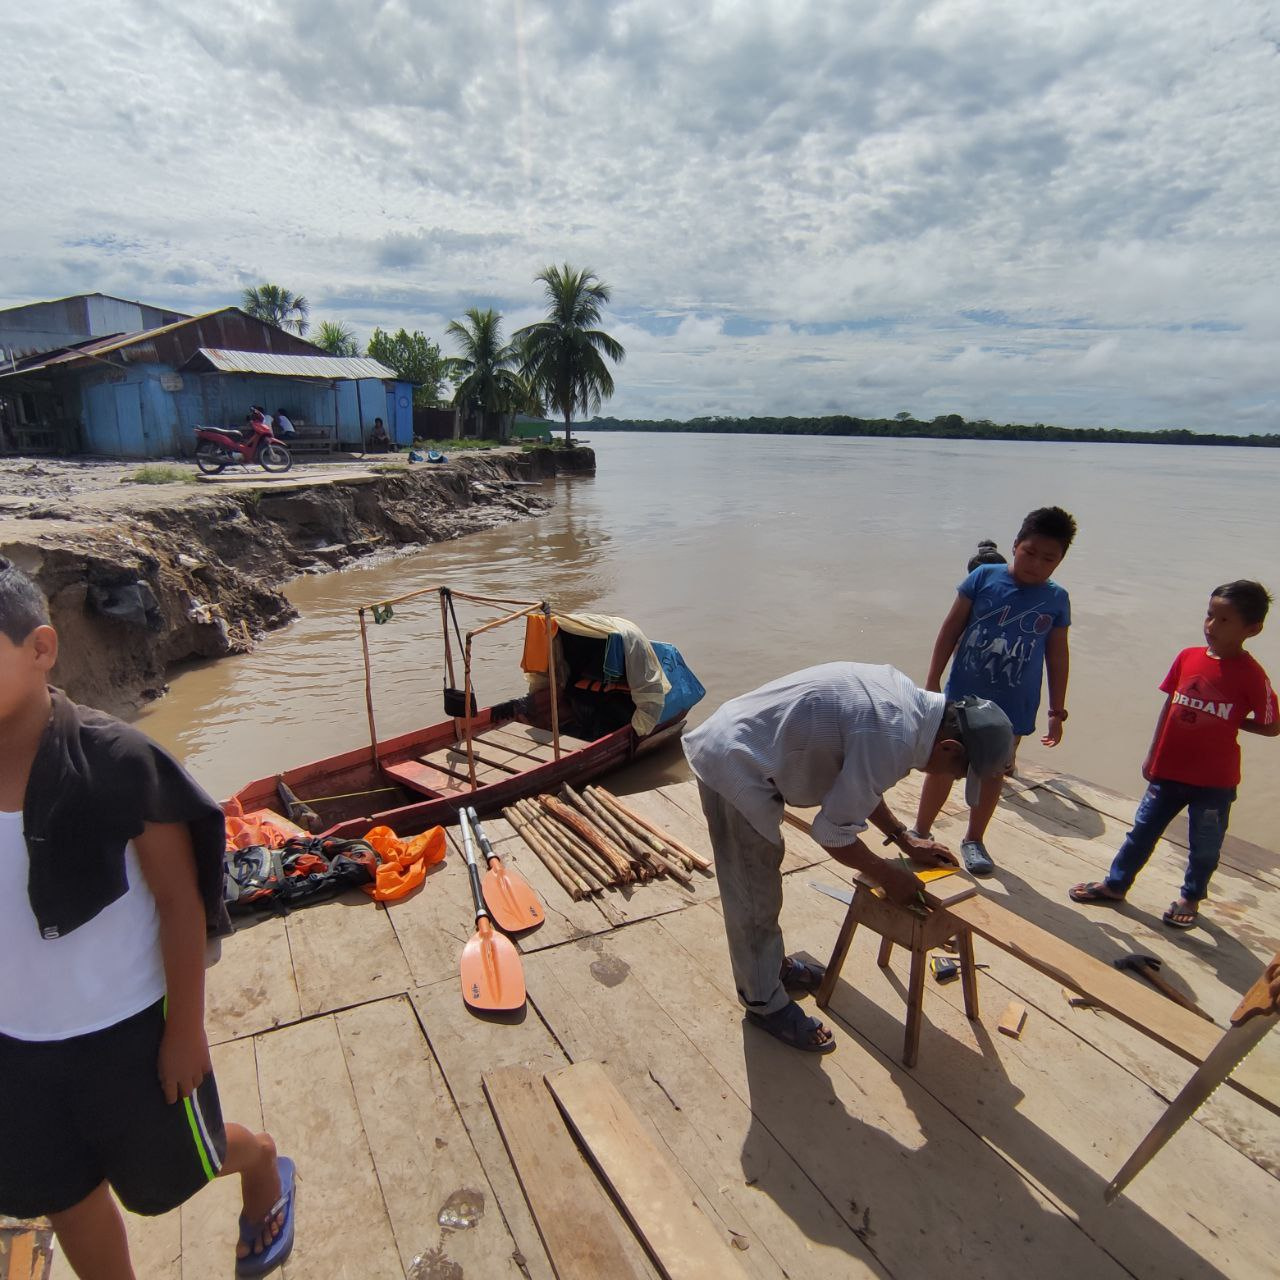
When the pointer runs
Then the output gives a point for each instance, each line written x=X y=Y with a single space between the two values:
x=510 y=899
x=492 y=975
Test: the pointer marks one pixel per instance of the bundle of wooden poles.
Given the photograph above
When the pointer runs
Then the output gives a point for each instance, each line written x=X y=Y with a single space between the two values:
x=590 y=841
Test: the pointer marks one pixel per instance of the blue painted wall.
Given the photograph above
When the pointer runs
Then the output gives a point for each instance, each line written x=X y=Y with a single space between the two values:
x=130 y=414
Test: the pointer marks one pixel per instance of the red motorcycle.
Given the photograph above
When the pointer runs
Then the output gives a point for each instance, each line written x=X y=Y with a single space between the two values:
x=218 y=448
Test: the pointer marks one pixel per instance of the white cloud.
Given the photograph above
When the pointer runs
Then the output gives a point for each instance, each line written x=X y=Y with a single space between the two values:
x=1061 y=212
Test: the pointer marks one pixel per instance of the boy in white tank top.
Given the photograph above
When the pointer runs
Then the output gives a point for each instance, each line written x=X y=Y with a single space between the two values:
x=110 y=872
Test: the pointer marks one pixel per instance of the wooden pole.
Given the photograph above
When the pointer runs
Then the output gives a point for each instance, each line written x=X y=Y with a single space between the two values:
x=575 y=822
x=703 y=864
x=466 y=709
x=571 y=884
x=574 y=852
x=647 y=838
x=551 y=680
x=368 y=691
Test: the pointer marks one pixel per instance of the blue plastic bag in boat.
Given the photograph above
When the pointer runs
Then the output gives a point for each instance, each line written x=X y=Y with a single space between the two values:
x=686 y=688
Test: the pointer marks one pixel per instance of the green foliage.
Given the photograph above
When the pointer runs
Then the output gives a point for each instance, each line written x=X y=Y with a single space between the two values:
x=336 y=338
x=563 y=356
x=415 y=358
x=484 y=375
x=277 y=306
x=163 y=473
x=453 y=446
x=947 y=427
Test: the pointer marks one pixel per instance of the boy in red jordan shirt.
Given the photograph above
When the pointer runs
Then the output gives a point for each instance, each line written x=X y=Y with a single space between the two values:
x=1194 y=761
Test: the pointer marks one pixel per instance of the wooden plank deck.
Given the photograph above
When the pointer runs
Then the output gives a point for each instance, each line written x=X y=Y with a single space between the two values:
x=342 y=1030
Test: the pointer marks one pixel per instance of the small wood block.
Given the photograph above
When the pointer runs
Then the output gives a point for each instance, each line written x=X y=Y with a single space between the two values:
x=1012 y=1019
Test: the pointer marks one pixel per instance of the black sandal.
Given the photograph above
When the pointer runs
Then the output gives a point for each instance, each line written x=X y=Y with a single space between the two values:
x=801 y=978
x=794 y=1027
x=1093 y=892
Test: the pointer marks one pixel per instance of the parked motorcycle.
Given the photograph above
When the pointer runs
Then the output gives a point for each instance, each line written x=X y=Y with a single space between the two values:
x=218 y=448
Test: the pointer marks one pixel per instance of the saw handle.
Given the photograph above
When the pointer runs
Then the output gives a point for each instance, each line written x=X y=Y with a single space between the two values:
x=1258 y=998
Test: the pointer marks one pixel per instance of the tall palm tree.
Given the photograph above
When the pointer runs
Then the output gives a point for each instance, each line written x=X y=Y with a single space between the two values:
x=277 y=306
x=484 y=372
x=564 y=355
x=334 y=337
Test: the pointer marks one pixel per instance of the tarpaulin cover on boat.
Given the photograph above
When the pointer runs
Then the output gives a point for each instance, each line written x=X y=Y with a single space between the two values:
x=645 y=670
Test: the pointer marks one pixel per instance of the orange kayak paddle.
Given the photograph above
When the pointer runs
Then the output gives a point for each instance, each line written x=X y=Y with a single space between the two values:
x=492 y=975
x=509 y=896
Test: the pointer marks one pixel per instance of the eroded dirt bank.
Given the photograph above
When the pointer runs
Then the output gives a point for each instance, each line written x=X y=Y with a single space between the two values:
x=140 y=577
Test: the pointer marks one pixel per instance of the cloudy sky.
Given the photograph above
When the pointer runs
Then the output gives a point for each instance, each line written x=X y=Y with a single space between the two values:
x=1062 y=211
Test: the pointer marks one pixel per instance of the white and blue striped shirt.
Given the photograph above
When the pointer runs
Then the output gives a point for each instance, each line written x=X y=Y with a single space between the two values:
x=838 y=736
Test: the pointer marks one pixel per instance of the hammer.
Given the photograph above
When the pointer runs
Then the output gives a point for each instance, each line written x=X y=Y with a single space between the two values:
x=1149 y=967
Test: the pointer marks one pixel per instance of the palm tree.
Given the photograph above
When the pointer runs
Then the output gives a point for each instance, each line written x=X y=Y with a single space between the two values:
x=277 y=306
x=564 y=355
x=484 y=373
x=334 y=337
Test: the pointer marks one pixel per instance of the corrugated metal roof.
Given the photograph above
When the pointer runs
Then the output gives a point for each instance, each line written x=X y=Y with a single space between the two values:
x=295 y=366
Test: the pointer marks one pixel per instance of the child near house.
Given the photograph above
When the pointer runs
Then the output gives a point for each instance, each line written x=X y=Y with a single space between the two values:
x=110 y=874
x=1213 y=691
x=1007 y=627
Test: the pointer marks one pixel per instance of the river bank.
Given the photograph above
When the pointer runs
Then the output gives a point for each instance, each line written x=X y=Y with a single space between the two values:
x=140 y=577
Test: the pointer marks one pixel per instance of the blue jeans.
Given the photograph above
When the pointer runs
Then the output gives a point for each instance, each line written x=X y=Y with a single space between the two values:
x=1208 y=809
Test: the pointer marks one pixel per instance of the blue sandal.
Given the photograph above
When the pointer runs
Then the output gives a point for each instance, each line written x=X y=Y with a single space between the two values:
x=258 y=1264
x=793 y=1027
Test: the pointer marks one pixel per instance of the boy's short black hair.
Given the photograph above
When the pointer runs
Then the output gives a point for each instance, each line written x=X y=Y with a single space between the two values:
x=1049 y=522
x=1249 y=599
x=22 y=606
x=987 y=553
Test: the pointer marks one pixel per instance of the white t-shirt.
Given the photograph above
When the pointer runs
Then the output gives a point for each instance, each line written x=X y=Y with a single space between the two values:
x=284 y=425
x=837 y=735
x=95 y=976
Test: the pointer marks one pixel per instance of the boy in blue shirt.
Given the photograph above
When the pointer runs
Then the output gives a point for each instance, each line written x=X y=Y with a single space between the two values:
x=111 y=870
x=1007 y=627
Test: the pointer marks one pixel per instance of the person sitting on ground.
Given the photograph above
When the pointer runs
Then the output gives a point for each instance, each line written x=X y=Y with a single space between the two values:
x=379 y=441
x=837 y=736
x=1007 y=626
x=111 y=872
x=1194 y=758
x=986 y=554
x=282 y=426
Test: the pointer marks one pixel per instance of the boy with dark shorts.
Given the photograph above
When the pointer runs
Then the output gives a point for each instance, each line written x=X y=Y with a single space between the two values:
x=110 y=877
x=1007 y=628
x=1194 y=758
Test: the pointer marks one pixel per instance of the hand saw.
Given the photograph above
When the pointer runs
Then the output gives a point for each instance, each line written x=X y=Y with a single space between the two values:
x=1253 y=1018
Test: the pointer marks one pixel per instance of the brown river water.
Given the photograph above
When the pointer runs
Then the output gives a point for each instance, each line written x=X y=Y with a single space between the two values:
x=758 y=555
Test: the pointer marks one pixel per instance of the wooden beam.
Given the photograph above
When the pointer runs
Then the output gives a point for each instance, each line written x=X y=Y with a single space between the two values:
x=575 y=1220
x=679 y=1236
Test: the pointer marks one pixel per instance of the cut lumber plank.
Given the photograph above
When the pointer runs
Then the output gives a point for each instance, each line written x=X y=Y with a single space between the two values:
x=424 y=779
x=678 y=1235
x=1165 y=1022
x=252 y=986
x=1012 y=1019
x=578 y=1225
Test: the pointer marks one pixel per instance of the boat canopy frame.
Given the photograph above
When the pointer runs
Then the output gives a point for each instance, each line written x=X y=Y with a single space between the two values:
x=517 y=609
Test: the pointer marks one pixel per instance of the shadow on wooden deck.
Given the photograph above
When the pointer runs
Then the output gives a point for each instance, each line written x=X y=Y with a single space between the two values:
x=342 y=1031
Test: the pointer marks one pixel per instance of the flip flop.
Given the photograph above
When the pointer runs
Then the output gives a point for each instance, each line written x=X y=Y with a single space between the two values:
x=801 y=978
x=1176 y=910
x=1092 y=892
x=793 y=1027
x=258 y=1264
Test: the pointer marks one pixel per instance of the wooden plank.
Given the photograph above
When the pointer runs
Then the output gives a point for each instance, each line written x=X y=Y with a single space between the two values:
x=1012 y=1019
x=252 y=987
x=424 y=779
x=309 y=1107
x=653 y=1196
x=1145 y=1009
x=579 y=1228
x=433 y=923
x=344 y=952
x=455 y=764
x=463 y=1045
x=421 y=1153
x=502 y=736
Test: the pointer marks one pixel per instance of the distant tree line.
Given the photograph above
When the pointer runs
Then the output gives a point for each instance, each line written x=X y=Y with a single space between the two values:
x=949 y=426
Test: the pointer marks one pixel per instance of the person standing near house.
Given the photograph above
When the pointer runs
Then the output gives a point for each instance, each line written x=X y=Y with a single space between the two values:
x=283 y=427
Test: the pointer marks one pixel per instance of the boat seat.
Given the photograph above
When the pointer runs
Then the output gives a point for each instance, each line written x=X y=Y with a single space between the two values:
x=426 y=780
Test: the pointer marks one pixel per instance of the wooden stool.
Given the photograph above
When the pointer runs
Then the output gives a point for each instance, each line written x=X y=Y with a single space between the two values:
x=918 y=928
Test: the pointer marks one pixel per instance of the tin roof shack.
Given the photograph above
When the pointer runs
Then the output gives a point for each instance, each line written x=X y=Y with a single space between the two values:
x=50 y=326
x=141 y=395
